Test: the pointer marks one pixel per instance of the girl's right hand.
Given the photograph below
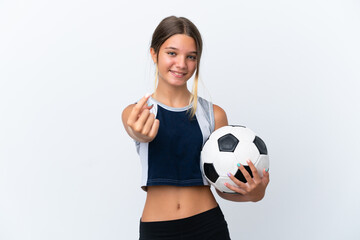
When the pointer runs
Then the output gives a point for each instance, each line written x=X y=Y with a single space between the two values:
x=140 y=124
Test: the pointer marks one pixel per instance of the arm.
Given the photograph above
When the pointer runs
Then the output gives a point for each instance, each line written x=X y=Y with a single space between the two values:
x=254 y=189
x=220 y=117
x=139 y=123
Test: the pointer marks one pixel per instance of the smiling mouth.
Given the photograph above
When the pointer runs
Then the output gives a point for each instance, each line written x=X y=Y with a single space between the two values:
x=177 y=74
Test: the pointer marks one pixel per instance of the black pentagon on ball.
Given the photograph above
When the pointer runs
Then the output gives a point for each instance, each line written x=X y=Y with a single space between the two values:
x=227 y=143
x=210 y=172
x=237 y=126
x=259 y=143
x=240 y=176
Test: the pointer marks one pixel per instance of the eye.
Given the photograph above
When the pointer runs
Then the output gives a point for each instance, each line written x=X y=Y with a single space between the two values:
x=192 y=57
x=171 y=53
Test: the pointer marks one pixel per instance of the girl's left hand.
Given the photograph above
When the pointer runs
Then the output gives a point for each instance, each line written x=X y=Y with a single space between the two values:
x=254 y=189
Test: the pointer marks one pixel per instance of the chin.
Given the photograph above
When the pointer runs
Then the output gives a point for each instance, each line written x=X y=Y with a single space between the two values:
x=178 y=84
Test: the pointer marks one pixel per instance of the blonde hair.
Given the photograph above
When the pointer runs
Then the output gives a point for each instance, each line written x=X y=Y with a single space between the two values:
x=194 y=96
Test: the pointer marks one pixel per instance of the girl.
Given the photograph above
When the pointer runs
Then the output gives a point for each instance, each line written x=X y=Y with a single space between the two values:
x=170 y=127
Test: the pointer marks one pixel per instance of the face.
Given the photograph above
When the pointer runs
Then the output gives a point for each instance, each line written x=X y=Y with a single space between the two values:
x=176 y=59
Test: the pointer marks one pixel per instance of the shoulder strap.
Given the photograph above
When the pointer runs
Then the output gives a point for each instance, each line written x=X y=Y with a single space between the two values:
x=208 y=110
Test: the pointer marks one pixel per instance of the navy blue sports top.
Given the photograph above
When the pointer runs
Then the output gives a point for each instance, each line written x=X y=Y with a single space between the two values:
x=173 y=157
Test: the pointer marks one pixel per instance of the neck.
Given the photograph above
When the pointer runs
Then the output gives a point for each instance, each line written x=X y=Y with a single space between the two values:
x=172 y=96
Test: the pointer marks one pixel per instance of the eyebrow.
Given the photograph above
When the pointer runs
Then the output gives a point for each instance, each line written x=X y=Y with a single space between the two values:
x=174 y=48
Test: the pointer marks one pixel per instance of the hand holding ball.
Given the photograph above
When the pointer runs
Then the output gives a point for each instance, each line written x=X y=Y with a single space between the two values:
x=225 y=148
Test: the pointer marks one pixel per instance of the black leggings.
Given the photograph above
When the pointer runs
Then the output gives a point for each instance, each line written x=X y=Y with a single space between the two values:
x=209 y=225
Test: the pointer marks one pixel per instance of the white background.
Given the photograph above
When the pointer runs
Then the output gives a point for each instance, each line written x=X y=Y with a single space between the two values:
x=289 y=70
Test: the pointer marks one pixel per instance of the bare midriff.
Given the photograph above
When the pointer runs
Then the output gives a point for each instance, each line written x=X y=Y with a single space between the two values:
x=165 y=203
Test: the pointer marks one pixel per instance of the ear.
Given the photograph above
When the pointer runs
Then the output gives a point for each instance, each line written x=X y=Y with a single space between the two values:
x=153 y=55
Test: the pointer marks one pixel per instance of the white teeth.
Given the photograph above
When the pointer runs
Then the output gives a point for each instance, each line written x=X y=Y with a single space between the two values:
x=178 y=74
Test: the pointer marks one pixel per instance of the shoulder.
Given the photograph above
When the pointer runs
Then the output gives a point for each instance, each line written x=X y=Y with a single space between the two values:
x=220 y=117
x=128 y=108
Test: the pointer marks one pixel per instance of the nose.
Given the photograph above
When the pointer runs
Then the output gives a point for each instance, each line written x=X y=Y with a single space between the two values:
x=181 y=62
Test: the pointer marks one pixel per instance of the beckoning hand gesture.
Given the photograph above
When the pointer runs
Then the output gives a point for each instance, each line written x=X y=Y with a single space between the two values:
x=139 y=123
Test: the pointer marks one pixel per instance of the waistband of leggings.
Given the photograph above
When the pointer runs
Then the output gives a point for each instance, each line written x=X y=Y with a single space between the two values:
x=204 y=218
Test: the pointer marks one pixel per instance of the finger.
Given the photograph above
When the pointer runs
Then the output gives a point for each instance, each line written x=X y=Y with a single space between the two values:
x=146 y=106
x=154 y=129
x=254 y=171
x=137 y=109
x=148 y=124
x=266 y=176
x=235 y=189
x=237 y=181
x=246 y=174
x=139 y=124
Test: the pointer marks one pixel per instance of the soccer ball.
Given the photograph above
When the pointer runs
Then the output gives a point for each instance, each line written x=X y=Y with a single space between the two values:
x=225 y=148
